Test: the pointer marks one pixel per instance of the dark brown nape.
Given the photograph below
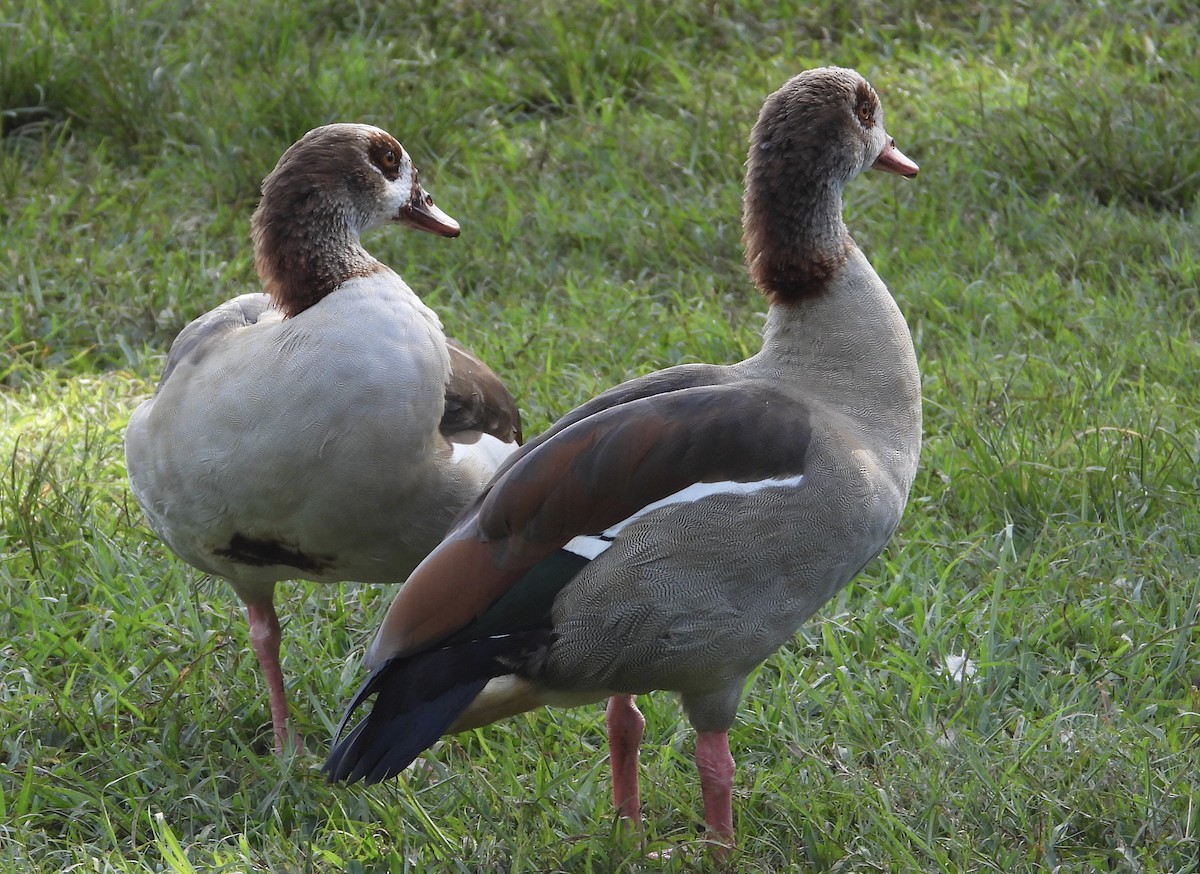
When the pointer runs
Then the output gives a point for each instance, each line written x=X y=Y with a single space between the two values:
x=792 y=228
x=304 y=243
x=294 y=275
x=788 y=256
x=787 y=280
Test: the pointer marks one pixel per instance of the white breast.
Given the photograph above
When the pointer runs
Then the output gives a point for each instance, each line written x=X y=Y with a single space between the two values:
x=317 y=430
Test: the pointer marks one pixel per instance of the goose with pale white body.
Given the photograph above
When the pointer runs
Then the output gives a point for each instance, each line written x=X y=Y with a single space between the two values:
x=324 y=429
x=675 y=531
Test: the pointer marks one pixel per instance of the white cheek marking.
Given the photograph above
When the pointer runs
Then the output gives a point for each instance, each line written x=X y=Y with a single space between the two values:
x=401 y=189
x=591 y=545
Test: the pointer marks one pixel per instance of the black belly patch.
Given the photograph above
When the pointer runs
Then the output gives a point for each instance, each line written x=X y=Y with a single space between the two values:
x=262 y=553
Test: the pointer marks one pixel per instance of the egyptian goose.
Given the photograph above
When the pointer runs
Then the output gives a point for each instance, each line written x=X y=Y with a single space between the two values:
x=675 y=531
x=326 y=429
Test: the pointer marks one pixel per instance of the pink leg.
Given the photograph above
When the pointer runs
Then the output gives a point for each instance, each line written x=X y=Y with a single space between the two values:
x=625 y=724
x=264 y=638
x=715 y=764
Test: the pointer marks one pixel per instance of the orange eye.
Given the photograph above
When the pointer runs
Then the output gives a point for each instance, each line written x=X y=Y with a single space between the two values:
x=389 y=159
x=865 y=115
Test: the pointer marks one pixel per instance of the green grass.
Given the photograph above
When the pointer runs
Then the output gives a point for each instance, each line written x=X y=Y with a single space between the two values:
x=1047 y=258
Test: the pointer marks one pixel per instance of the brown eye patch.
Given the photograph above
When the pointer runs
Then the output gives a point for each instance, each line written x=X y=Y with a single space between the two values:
x=865 y=104
x=386 y=155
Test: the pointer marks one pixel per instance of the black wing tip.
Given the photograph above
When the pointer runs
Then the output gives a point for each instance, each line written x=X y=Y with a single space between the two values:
x=418 y=698
x=383 y=745
x=341 y=766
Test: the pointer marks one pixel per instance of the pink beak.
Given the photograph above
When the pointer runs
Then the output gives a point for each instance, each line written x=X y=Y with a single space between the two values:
x=892 y=160
x=422 y=214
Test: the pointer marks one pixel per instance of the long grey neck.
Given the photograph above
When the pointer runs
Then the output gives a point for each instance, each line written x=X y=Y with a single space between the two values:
x=850 y=343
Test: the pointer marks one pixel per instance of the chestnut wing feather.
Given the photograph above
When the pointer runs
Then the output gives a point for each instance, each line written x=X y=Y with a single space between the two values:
x=589 y=475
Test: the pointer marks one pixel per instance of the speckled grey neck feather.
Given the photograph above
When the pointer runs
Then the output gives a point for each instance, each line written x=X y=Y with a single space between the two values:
x=809 y=141
x=305 y=230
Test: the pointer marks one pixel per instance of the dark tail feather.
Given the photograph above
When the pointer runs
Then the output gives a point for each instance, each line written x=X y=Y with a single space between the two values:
x=419 y=697
x=379 y=747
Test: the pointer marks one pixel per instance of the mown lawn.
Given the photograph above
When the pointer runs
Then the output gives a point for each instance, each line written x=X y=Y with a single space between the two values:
x=1048 y=261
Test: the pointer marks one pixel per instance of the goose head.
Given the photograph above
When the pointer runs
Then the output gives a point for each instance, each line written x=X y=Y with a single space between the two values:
x=332 y=185
x=817 y=132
